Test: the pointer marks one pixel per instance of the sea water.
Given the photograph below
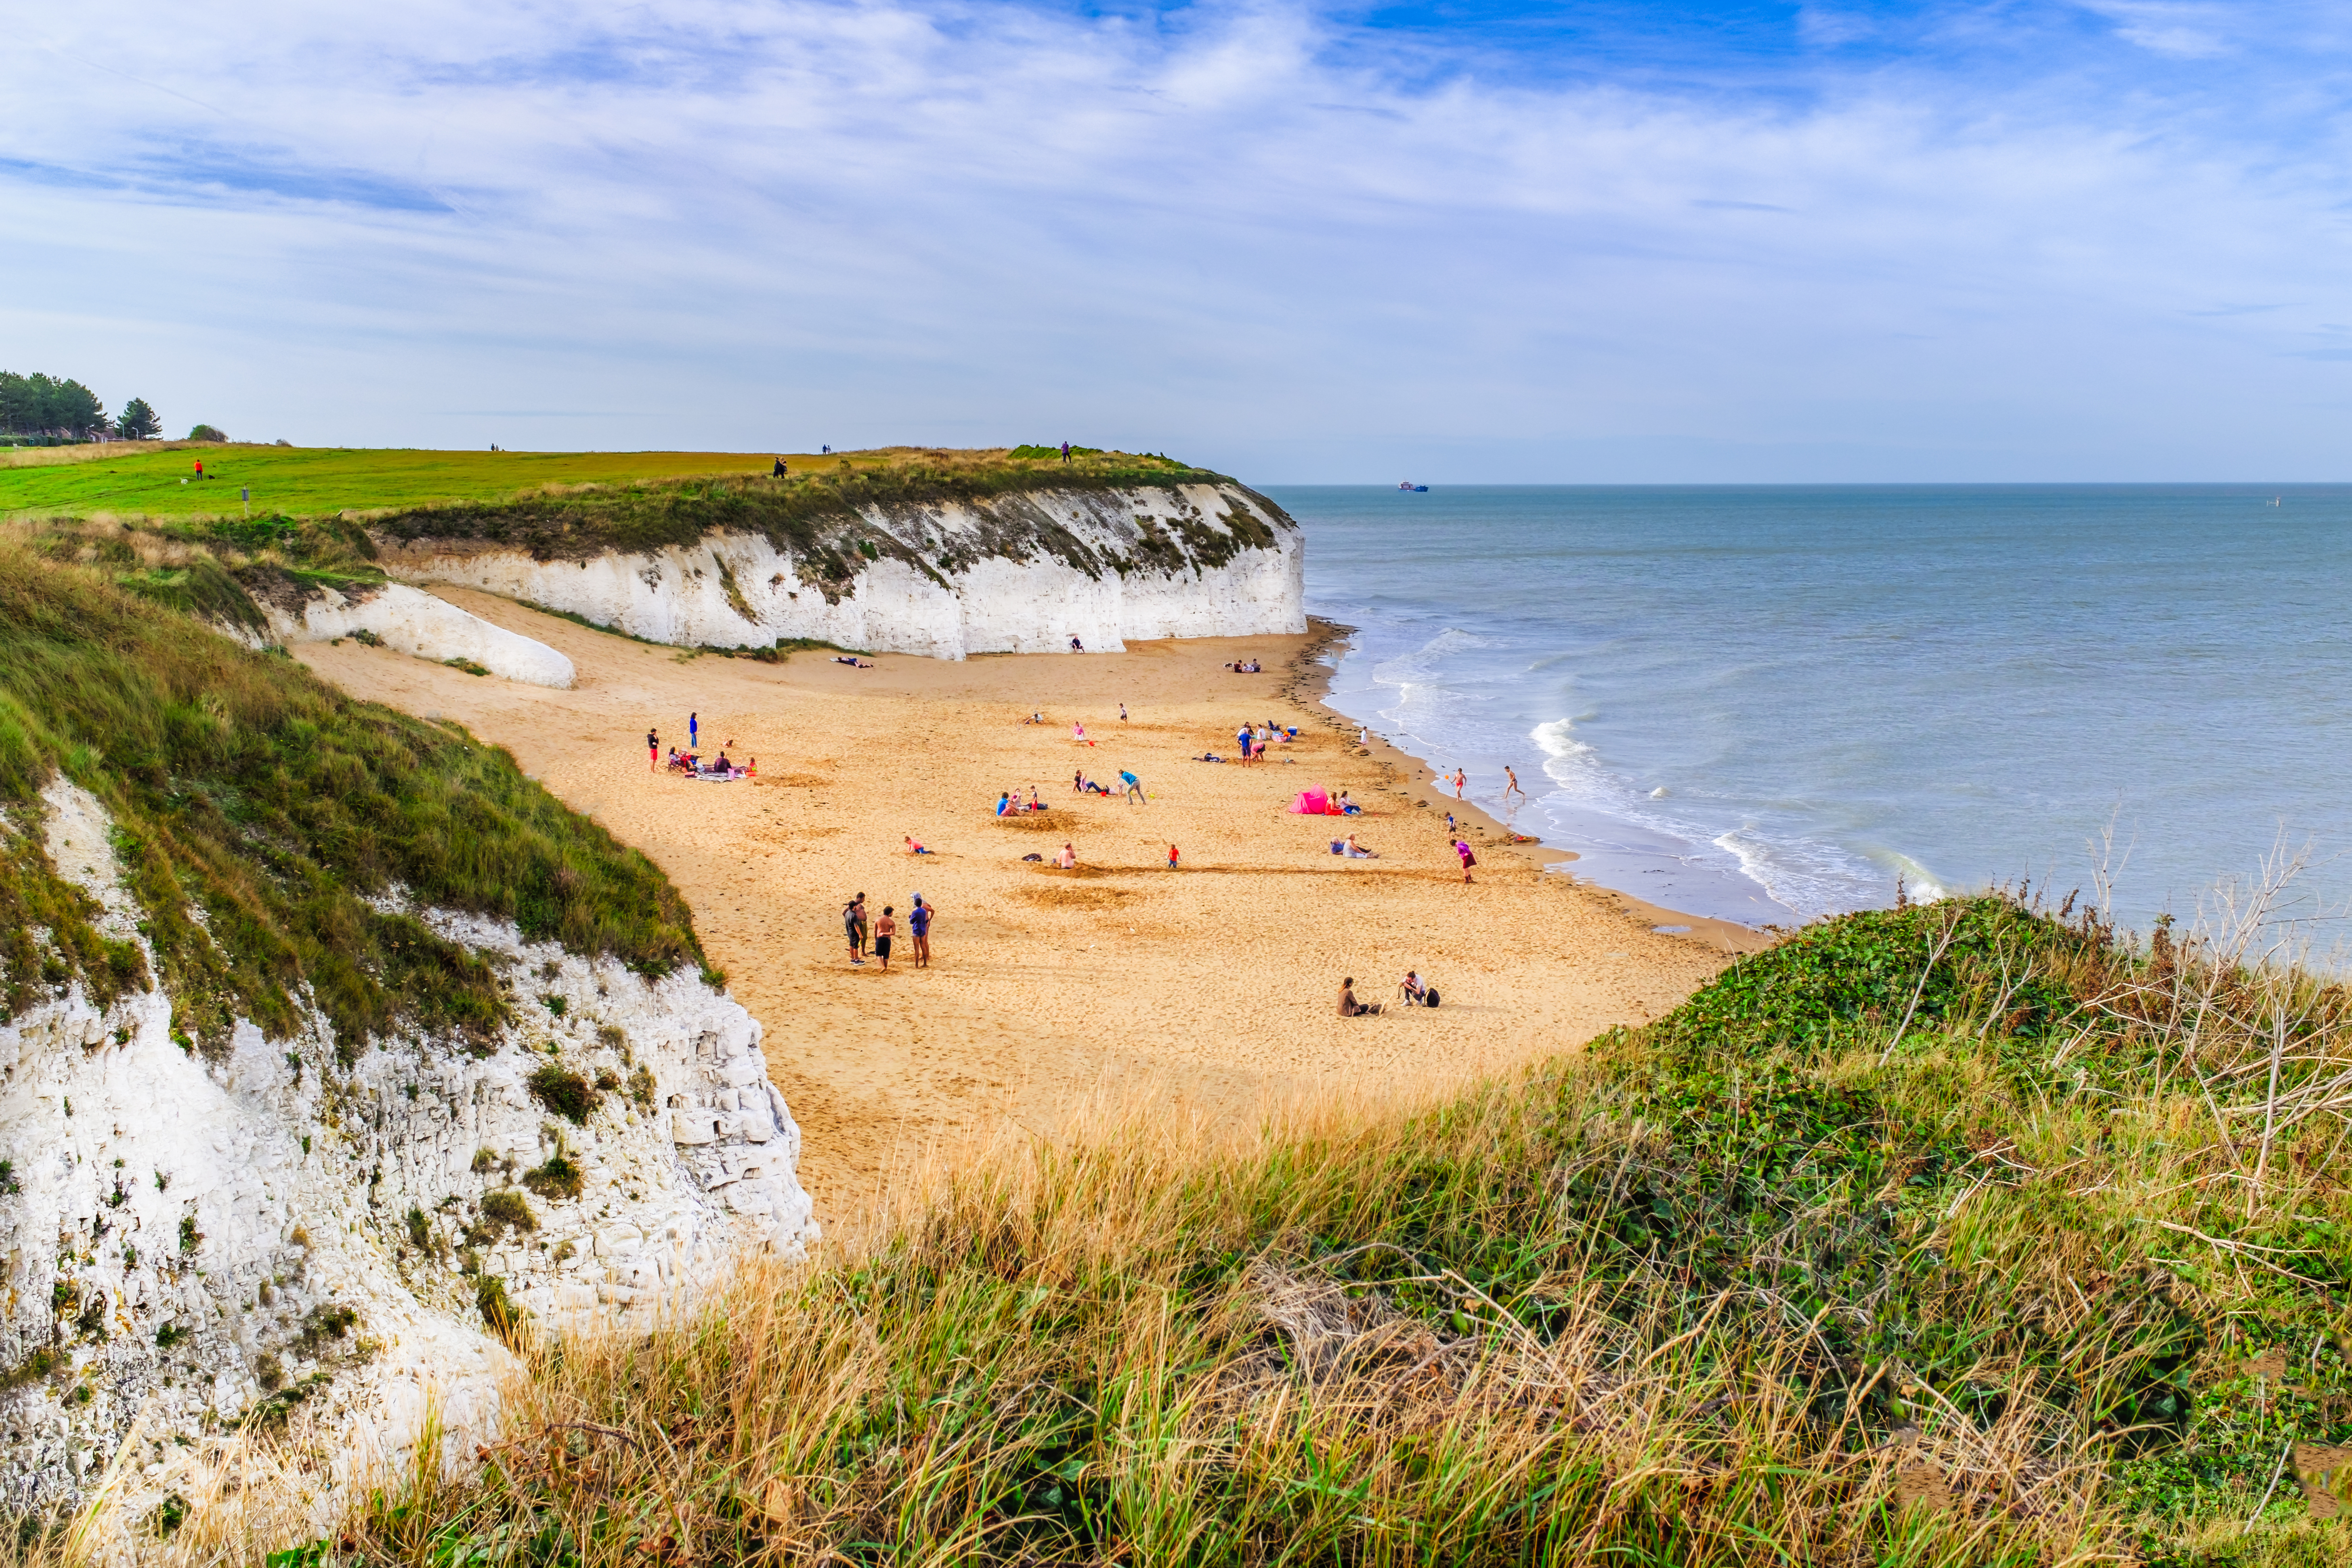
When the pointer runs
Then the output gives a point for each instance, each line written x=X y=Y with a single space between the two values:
x=1770 y=703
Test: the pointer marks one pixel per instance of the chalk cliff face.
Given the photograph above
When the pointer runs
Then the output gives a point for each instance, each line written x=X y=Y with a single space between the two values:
x=1020 y=573
x=208 y=1240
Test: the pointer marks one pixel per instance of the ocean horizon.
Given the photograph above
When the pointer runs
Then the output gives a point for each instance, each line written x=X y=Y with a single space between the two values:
x=1768 y=704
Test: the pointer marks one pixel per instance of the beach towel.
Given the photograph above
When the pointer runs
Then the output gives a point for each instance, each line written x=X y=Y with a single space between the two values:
x=1311 y=803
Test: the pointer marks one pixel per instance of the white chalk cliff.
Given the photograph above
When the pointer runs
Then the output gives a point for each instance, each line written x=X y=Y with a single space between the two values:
x=414 y=623
x=1016 y=575
x=197 y=1242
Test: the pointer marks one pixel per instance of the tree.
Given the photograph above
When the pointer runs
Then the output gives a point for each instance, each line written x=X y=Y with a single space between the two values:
x=72 y=410
x=207 y=433
x=137 y=422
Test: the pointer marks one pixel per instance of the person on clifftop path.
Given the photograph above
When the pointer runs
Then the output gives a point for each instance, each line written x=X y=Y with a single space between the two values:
x=1066 y=454
x=652 y=752
x=780 y=468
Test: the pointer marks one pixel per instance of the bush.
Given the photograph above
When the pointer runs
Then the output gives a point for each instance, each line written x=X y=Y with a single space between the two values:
x=207 y=433
x=559 y=1178
x=567 y=1093
x=507 y=1210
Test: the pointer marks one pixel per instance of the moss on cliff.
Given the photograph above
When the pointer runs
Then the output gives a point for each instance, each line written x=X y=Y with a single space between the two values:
x=256 y=810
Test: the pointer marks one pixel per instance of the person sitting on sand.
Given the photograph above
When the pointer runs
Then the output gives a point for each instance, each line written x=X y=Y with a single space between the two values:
x=1078 y=731
x=1348 y=1006
x=1034 y=804
x=1077 y=647
x=1355 y=851
x=913 y=847
x=1004 y=803
x=722 y=767
x=1035 y=719
x=1067 y=859
x=751 y=769
x=1078 y=782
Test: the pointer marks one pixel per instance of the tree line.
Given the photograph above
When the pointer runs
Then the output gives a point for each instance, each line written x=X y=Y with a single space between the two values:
x=48 y=408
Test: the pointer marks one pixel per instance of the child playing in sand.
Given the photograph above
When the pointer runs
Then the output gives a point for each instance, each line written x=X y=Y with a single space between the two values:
x=1171 y=857
x=1067 y=859
x=1462 y=848
x=914 y=848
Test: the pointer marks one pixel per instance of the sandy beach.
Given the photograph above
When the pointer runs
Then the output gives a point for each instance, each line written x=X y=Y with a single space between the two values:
x=1209 y=989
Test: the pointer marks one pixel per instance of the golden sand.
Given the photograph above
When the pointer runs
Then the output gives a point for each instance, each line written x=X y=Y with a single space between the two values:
x=1210 y=990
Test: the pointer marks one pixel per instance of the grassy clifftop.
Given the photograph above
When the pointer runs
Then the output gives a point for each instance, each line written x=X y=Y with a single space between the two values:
x=256 y=809
x=1949 y=1235
x=145 y=481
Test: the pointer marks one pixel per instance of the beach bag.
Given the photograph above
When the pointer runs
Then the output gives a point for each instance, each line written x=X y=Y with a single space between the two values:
x=1430 y=998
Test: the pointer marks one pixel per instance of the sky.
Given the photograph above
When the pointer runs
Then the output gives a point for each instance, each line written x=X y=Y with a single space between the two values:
x=1457 y=242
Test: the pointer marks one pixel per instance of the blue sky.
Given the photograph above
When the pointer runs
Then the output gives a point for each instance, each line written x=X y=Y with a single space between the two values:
x=1459 y=239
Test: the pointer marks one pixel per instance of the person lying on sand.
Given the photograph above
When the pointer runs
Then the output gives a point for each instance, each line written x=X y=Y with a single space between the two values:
x=1067 y=859
x=1348 y=1006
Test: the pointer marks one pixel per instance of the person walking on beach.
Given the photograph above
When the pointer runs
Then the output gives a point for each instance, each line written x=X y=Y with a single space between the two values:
x=1171 y=857
x=1512 y=787
x=652 y=752
x=1461 y=779
x=1122 y=712
x=919 y=927
x=1462 y=848
x=853 y=923
x=884 y=929
x=1134 y=788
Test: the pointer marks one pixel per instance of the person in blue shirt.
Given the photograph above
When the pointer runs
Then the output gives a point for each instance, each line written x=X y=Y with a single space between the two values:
x=1134 y=787
x=919 y=928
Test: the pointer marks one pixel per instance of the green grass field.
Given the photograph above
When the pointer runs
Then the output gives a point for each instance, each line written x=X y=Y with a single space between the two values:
x=300 y=481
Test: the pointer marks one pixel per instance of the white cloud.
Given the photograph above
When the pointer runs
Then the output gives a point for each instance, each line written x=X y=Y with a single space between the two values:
x=739 y=224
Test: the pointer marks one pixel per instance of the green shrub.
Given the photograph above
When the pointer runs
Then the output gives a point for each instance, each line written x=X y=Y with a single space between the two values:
x=565 y=1092
x=559 y=1178
x=508 y=1210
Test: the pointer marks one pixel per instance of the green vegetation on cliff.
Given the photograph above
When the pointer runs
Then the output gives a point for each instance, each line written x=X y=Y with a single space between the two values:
x=257 y=811
x=1942 y=1235
x=290 y=481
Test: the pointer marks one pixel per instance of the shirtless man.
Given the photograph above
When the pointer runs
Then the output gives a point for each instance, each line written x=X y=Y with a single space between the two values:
x=884 y=929
x=1512 y=787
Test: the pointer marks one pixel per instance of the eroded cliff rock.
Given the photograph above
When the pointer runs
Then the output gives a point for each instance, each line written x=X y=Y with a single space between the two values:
x=1016 y=573
x=197 y=1238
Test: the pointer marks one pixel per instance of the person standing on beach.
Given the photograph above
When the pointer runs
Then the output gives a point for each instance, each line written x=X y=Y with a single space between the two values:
x=853 y=925
x=1122 y=712
x=653 y=751
x=1242 y=738
x=693 y=729
x=919 y=927
x=1171 y=857
x=1363 y=734
x=884 y=929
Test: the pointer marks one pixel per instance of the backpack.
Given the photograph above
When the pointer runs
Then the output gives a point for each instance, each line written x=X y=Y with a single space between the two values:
x=1429 y=997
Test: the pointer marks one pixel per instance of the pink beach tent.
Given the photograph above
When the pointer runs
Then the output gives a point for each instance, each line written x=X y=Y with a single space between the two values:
x=1311 y=803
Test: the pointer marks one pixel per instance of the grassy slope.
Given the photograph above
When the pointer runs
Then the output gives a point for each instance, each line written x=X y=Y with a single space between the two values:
x=252 y=796
x=1884 y=1248
x=306 y=481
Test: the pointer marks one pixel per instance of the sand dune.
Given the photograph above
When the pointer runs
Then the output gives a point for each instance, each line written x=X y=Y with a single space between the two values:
x=1209 y=989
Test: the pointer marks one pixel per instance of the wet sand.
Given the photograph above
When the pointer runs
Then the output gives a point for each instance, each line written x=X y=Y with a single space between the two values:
x=1208 y=990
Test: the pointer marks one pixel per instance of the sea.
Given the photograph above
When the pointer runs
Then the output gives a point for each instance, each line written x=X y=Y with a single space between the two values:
x=1772 y=703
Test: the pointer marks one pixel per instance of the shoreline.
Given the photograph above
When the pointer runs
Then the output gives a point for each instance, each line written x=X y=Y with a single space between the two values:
x=1308 y=683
